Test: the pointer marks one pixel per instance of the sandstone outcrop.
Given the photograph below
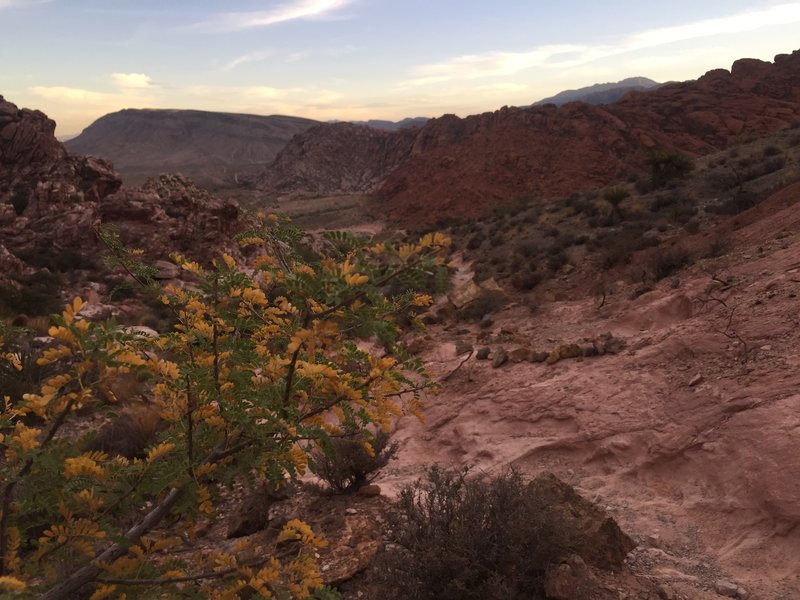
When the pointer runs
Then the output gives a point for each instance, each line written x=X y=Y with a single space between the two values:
x=51 y=200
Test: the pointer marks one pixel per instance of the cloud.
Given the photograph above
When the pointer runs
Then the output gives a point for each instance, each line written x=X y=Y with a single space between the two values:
x=70 y=94
x=475 y=66
x=498 y=63
x=132 y=80
x=246 y=58
x=297 y=9
x=22 y=3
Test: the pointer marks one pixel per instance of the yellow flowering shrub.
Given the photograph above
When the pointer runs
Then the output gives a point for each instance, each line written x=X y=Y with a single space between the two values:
x=263 y=366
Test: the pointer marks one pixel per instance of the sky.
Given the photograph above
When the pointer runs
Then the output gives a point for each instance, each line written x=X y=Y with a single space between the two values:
x=77 y=60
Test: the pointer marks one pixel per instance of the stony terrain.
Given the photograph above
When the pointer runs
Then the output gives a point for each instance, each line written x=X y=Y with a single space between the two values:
x=50 y=201
x=687 y=429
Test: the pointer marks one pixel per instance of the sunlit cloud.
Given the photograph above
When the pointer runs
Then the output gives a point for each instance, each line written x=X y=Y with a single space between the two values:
x=498 y=63
x=476 y=66
x=297 y=9
x=246 y=58
x=70 y=94
x=131 y=80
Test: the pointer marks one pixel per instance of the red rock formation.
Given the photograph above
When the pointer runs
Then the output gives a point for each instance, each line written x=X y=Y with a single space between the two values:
x=50 y=199
x=461 y=167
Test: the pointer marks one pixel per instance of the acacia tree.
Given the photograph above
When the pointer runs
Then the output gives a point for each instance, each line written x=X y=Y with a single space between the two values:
x=264 y=364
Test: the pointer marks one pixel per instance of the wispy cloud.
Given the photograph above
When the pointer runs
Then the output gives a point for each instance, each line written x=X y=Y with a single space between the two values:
x=475 y=66
x=498 y=63
x=297 y=9
x=246 y=58
x=22 y=3
x=132 y=80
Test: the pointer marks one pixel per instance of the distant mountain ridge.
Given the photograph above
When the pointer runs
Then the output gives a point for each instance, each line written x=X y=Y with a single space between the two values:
x=601 y=93
x=394 y=125
x=211 y=147
x=462 y=167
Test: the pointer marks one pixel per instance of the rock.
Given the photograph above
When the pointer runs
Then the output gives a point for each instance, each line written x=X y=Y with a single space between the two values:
x=593 y=535
x=573 y=580
x=608 y=344
x=519 y=354
x=463 y=347
x=463 y=295
x=167 y=270
x=350 y=511
x=369 y=491
x=566 y=351
x=486 y=321
x=696 y=380
x=500 y=357
x=483 y=353
x=588 y=349
x=538 y=356
x=553 y=357
x=726 y=588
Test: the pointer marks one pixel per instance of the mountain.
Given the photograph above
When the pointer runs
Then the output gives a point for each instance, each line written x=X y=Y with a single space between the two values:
x=211 y=147
x=456 y=168
x=336 y=158
x=394 y=125
x=601 y=93
x=462 y=167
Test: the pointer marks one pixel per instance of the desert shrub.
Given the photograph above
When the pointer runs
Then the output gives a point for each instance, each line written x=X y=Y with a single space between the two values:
x=719 y=246
x=245 y=386
x=346 y=464
x=615 y=196
x=736 y=204
x=664 y=262
x=497 y=239
x=557 y=260
x=526 y=248
x=668 y=165
x=770 y=150
x=526 y=279
x=475 y=241
x=619 y=247
x=456 y=537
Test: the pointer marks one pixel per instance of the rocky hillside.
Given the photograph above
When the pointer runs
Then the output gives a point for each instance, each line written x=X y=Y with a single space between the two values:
x=601 y=93
x=454 y=167
x=336 y=158
x=460 y=167
x=213 y=148
x=50 y=201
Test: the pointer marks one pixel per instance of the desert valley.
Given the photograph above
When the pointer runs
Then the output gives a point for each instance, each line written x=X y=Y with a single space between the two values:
x=275 y=326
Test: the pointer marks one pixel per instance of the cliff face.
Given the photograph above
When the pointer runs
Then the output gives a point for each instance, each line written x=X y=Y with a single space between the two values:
x=336 y=158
